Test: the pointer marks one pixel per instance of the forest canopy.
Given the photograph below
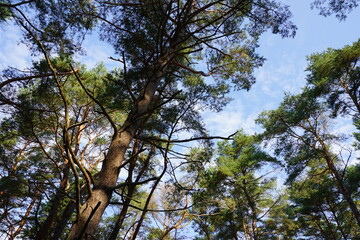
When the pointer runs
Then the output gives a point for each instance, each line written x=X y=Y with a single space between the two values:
x=123 y=153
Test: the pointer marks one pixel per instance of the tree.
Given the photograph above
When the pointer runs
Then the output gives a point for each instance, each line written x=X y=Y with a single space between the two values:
x=281 y=220
x=319 y=207
x=159 y=44
x=35 y=155
x=17 y=193
x=335 y=76
x=301 y=131
x=233 y=200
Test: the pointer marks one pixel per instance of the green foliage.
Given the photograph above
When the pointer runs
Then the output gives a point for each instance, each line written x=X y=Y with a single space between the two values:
x=320 y=210
x=282 y=220
x=231 y=197
x=5 y=13
x=335 y=75
x=322 y=189
x=34 y=161
x=352 y=179
x=177 y=59
x=298 y=126
x=338 y=7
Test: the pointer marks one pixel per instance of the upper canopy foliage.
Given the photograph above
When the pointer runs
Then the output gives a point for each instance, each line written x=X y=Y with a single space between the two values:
x=341 y=8
x=335 y=75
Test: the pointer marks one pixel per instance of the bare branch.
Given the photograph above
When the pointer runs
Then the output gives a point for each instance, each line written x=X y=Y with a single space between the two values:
x=185 y=140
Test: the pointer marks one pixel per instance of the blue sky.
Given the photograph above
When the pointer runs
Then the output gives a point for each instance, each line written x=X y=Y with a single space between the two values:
x=284 y=69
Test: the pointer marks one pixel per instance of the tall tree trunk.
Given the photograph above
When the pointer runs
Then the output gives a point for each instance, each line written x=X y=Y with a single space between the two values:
x=66 y=215
x=343 y=189
x=48 y=226
x=96 y=204
x=93 y=209
x=61 y=224
x=337 y=177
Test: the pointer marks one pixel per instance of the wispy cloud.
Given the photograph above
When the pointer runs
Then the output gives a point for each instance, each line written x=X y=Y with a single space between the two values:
x=96 y=53
x=13 y=53
x=285 y=73
x=233 y=118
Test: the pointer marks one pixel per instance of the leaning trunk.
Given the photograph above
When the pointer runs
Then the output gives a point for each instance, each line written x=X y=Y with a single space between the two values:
x=338 y=178
x=343 y=189
x=94 y=207
x=64 y=219
x=48 y=226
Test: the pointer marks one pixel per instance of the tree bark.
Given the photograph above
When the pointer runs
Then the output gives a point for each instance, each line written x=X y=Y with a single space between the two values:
x=48 y=226
x=338 y=179
x=101 y=194
x=90 y=216
x=343 y=189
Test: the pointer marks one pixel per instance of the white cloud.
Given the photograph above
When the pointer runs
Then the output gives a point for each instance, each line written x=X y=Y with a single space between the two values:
x=284 y=73
x=96 y=53
x=14 y=53
x=233 y=118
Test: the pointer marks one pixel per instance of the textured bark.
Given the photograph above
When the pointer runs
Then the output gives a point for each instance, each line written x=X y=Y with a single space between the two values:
x=48 y=226
x=103 y=189
x=61 y=224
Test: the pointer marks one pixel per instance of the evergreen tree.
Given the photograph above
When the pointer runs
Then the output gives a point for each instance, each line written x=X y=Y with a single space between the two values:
x=301 y=131
x=233 y=199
